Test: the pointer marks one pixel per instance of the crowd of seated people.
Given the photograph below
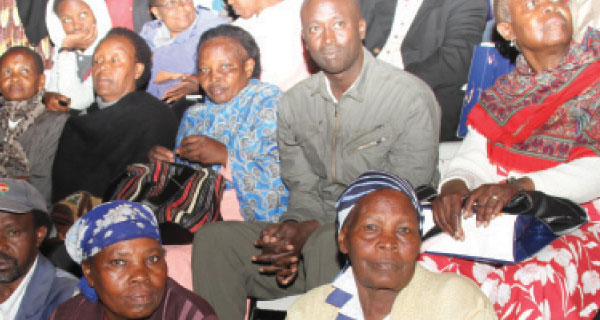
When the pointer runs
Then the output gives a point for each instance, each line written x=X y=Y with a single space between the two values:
x=322 y=116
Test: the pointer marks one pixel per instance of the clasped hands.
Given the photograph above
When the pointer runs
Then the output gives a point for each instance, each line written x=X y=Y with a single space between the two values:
x=195 y=148
x=281 y=246
x=456 y=202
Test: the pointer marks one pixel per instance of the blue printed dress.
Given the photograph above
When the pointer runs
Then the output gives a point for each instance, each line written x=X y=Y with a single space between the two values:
x=247 y=126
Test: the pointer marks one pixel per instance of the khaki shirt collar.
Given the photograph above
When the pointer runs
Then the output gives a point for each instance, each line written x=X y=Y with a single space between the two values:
x=356 y=90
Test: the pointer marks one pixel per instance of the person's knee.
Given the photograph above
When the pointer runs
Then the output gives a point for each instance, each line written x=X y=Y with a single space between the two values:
x=217 y=240
x=211 y=237
x=207 y=232
x=324 y=234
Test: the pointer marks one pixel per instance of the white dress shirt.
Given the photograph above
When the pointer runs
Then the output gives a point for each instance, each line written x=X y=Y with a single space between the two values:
x=10 y=307
x=406 y=10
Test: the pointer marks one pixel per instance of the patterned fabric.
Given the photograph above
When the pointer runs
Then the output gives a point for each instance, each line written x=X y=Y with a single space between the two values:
x=68 y=210
x=246 y=125
x=562 y=281
x=176 y=193
x=12 y=32
x=369 y=182
x=107 y=224
x=15 y=118
x=537 y=121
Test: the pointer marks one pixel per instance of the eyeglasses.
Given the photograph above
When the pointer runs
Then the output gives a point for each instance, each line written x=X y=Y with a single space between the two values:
x=172 y=4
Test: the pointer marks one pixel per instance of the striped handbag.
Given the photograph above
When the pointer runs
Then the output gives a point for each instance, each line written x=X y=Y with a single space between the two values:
x=177 y=193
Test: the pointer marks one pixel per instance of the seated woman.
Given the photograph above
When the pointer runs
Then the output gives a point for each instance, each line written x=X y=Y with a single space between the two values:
x=75 y=28
x=124 y=268
x=379 y=231
x=235 y=128
x=535 y=129
x=173 y=38
x=120 y=127
x=29 y=134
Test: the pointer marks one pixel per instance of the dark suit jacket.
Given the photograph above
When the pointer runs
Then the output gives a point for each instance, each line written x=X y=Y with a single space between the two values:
x=141 y=14
x=437 y=48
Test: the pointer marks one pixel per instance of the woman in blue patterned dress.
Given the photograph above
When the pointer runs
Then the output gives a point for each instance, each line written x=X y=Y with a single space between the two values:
x=235 y=130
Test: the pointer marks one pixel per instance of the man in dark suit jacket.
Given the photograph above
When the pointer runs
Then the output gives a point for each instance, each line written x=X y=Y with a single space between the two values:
x=437 y=47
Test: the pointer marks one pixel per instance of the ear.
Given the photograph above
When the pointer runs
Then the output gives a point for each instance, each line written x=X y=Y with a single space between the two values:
x=156 y=13
x=40 y=234
x=41 y=82
x=342 y=243
x=249 y=67
x=139 y=70
x=362 y=28
x=86 y=268
x=505 y=30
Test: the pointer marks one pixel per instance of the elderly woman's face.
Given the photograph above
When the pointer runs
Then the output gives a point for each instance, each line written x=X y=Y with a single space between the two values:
x=115 y=69
x=76 y=17
x=224 y=68
x=382 y=240
x=20 y=78
x=177 y=15
x=129 y=277
x=539 y=24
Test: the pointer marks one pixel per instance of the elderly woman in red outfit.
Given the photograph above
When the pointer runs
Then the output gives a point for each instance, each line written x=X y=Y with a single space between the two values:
x=536 y=128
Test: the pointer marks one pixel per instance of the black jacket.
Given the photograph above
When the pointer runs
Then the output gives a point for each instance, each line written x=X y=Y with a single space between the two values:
x=96 y=147
x=437 y=48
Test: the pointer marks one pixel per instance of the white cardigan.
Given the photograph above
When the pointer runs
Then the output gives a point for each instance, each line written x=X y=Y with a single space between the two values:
x=577 y=180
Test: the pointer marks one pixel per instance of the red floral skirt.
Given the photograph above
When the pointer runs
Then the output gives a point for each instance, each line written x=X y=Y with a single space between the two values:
x=562 y=281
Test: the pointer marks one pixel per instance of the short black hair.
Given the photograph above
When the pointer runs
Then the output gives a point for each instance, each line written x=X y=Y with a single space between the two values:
x=39 y=64
x=143 y=54
x=41 y=219
x=501 y=11
x=239 y=35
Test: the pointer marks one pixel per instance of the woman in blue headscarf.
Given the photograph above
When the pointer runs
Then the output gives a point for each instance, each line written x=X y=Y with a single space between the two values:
x=125 y=273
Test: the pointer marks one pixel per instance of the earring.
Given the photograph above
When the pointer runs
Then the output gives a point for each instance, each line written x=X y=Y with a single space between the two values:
x=513 y=43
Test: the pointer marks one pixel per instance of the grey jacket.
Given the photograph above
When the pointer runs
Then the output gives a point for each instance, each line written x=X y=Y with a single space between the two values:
x=40 y=142
x=388 y=120
x=48 y=288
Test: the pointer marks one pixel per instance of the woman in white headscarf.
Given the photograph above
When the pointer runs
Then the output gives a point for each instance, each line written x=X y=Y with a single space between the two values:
x=75 y=28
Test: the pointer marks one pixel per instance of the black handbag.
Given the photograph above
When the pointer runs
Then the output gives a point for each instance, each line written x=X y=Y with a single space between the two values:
x=560 y=215
x=540 y=219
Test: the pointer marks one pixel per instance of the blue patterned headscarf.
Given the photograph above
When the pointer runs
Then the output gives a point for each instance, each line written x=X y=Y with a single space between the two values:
x=107 y=224
x=369 y=182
